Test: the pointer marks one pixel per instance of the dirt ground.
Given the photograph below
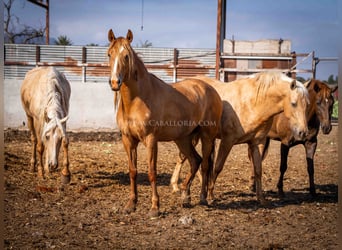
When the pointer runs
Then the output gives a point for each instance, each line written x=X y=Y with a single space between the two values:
x=86 y=214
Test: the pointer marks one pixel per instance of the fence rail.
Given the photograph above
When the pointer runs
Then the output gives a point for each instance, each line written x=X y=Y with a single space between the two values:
x=90 y=63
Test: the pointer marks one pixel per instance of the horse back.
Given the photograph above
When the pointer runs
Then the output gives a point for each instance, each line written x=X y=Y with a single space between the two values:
x=36 y=88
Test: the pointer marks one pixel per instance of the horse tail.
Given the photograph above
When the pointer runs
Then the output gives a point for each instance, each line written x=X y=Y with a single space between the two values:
x=265 y=151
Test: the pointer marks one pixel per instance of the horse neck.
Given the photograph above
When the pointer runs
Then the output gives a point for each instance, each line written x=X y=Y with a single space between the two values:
x=312 y=108
x=274 y=104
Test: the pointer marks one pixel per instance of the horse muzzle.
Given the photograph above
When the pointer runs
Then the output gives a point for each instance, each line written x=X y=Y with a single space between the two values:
x=300 y=134
x=53 y=166
x=326 y=128
x=115 y=84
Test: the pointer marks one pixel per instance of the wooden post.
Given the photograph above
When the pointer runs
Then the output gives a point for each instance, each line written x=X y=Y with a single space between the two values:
x=220 y=34
x=294 y=62
x=175 y=62
x=37 y=55
x=314 y=64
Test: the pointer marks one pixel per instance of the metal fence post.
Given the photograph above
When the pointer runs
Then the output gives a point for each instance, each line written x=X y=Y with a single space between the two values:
x=84 y=61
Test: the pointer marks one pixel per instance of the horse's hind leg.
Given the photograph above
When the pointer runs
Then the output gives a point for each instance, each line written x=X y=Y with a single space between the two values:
x=256 y=150
x=176 y=171
x=65 y=175
x=310 y=149
x=208 y=148
x=186 y=147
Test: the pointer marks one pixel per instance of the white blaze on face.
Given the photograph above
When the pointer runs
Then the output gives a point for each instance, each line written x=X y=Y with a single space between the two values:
x=115 y=76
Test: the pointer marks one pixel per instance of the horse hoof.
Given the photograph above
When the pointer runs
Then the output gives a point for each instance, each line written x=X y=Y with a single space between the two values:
x=203 y=203
x=129 y=208
x=186 y=205
x=65 y=179
x=313 y=193
x=153 y=213
x=265 y=203
x=281 y=194
x=175 y=191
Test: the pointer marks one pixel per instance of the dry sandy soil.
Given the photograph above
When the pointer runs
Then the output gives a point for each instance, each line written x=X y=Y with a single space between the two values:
x=86 y=214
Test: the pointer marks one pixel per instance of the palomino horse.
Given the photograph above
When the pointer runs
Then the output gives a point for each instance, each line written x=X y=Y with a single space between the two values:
x=150 y=111
x=318 y=115
x=45 y=95
x=249 y=105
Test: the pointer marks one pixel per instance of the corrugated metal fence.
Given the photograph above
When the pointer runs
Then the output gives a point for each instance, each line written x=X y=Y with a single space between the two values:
x=90 y=63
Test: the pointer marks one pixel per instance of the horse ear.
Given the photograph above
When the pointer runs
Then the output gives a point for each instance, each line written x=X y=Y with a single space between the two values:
x=293 y=85
x=333 y=89
x=65 y=119
x=129 y=36
x=111 y=36
x=307 y=83
x=317 y=88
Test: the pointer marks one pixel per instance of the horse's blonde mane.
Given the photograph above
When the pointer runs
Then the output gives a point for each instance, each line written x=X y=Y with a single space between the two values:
x=265 y=80
x=55 y=104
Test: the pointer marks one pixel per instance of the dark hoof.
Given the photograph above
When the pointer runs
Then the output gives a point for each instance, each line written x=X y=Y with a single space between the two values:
x=281 y=194
x=203 y=203
x=65 y=179
x=313 y=193
x=186 y=205
x=265 y=203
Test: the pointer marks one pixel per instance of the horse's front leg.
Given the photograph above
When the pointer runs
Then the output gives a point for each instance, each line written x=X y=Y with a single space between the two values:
x=34 y=143
x=152 y=153
x=130 y=146
x=310 y=149
x=255 y=151
x=284 y=152
x=65 y=175
x=208 y=148
x=223 y=151
x=40 y=149
x=252 y=178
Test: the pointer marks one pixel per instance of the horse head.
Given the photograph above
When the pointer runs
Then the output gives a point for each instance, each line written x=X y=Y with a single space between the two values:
x=53 y=133
x=295 y=109
x=121 y=59
x=323 y=103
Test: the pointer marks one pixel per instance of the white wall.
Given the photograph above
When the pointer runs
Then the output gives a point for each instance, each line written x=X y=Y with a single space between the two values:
x=91 y=106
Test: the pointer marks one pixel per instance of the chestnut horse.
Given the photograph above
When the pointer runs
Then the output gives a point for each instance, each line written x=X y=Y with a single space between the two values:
x=249 y=105
x=150 y=111
x=318 y=115
x=45 y=95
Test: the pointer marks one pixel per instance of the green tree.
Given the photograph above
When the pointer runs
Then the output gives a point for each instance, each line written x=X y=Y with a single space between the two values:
x=331 y=80
x=63 y=40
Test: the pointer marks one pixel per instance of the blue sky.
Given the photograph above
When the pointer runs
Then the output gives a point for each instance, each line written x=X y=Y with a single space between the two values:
x=309 y=24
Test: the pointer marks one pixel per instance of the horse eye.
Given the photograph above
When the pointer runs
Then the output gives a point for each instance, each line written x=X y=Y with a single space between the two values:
x=126 y=57
x=47 y=137
x=293 y=104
